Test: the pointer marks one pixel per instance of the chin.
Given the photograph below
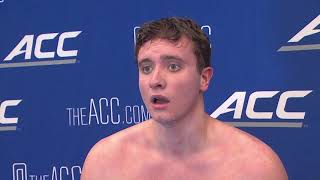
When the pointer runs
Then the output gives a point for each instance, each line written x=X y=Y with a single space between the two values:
x=161 y=118
x=164 y=120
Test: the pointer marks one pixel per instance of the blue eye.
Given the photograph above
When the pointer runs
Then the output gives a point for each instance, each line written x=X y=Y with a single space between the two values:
x=174 y=67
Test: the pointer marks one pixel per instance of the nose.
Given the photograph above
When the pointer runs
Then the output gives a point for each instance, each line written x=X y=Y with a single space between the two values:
x=157 y=80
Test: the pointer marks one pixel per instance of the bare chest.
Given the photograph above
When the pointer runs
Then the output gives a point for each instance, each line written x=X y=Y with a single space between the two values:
x=151 y=169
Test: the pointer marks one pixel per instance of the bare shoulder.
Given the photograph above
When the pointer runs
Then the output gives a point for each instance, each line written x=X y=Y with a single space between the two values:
x=250 y=157
x=107 y=156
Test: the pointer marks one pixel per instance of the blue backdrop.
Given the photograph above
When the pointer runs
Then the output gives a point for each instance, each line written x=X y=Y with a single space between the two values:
x=68 y=77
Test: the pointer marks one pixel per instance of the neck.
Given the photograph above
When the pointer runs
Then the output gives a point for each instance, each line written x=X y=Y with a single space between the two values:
x=182 y=137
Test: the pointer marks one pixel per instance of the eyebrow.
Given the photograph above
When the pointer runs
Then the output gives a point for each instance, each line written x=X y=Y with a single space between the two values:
x=144 y=60
x=162 y=57
x=170 y=57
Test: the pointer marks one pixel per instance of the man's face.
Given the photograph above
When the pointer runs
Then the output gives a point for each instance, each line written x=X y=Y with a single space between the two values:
x=169 y=81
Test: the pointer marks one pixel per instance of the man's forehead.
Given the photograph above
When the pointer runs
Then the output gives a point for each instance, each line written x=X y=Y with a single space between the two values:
x=182 y=43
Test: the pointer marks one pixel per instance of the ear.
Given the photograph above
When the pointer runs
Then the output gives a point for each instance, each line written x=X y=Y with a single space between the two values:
x=205 y=76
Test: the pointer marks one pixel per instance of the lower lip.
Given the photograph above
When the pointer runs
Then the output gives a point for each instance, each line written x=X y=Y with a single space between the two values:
x=160 y=106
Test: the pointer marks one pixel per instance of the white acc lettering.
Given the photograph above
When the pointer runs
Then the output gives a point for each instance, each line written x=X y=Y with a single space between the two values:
x=27 y=41
x=3 y=107
x=20 y=172
x=252 y=101
x=307 y=30
x=239 y=98
x=103 y=105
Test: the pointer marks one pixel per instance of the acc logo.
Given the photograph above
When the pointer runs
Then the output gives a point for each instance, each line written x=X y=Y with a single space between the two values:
x=8 y=124
x=308 y=30
x=20 y=172
x=239 y=99
x=205 y=28
x=27 y=42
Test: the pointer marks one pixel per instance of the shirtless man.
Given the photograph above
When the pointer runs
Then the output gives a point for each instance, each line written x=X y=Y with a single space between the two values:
x=181 y=141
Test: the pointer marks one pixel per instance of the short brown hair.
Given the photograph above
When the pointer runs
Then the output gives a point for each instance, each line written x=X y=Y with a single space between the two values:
x=172 y=29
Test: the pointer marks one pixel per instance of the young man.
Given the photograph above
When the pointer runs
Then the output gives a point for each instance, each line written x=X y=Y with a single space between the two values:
x=181 y=141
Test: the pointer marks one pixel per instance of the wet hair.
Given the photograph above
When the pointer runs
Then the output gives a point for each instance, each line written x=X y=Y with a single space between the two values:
x=172 y=29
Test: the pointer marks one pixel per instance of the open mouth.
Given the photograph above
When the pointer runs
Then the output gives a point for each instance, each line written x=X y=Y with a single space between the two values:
x=159 y=100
